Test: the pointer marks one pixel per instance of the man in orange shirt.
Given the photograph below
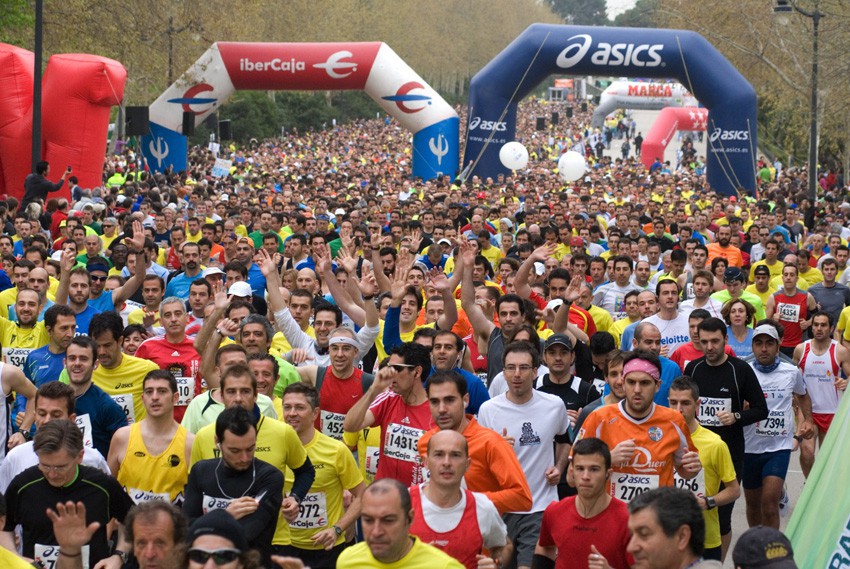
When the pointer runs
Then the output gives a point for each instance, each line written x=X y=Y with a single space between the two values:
x=648 y=442
x=493 y=466
x=723 y=249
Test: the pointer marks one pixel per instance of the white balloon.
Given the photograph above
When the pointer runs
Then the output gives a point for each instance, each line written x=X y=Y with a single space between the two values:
x=513 y=155
x=571 y=166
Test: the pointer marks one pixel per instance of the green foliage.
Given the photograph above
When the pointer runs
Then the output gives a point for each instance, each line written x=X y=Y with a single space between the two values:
x=16 y=20
x=581 y=12
x=644 y=14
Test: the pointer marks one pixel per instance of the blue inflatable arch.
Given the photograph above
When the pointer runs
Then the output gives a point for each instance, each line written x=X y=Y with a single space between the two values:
x=543 y=49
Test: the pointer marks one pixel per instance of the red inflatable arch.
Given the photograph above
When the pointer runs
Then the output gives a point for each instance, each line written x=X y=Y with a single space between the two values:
x=670 y=120
x=78 y=92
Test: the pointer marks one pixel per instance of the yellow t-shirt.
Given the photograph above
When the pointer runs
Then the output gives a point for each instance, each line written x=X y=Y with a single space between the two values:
x=368 y=445
x=281 y=346
x=716 y=467
x=762 y=295
x=322 y=506
x=776 y=283
x=494 y=255
x=277 y=443
x=617 y=329
x=405 y=337
x=147 y=477
x=18 y=342
x=812 y=276
x=124 y=384
x=842 y=319
x=137 y=316
x=775 y=269
x=11 y=561
x=601 y=318
x=420 y=556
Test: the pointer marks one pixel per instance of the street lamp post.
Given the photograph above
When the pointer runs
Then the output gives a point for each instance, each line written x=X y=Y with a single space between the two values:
x=785 y=6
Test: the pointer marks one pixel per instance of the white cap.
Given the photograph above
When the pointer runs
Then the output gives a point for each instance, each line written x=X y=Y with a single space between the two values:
x=767 y=330
x=212 y=271
x=240 y=288
x=539 y=268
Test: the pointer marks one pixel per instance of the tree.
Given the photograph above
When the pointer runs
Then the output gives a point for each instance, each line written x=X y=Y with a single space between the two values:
x=582 y=12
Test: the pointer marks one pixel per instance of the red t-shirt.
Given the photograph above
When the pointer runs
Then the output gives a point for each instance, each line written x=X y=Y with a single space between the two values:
x=401 y=428
x=687 y=353
x=463 y=543
x=790 y=310
x=182 y=360
x=573 y=535
x=336 y=397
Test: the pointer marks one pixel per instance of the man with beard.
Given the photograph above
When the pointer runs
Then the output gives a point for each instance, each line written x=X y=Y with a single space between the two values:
x=98 y=268
x=723 y=249
x=190 y=256
x=175 y=353
x=153 y=288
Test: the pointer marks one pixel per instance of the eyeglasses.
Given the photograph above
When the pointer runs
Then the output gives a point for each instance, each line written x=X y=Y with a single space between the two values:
x=99 y=279
x=219 y=556
x=45 y=468
x=400 y=367
x=521 y=368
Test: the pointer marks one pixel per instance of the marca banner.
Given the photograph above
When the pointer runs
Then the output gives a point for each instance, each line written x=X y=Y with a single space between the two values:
x=819 y=528
x=369 y=66
x=545 y=49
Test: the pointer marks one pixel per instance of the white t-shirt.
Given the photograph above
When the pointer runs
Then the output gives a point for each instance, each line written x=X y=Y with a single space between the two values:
x=534 y=426
x=499 y=384
x=443 y=520
x=674 y=333
x=713 y=306
x=777 y=431
x=23 y=456
x=610 y=297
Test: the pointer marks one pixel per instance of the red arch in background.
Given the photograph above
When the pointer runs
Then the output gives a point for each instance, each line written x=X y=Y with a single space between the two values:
x=669 y=122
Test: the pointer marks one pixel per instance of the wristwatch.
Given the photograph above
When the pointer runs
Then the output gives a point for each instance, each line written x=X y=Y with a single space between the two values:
x=123 y=555
x=337 y=530
x=737 y=416
x=710 y=502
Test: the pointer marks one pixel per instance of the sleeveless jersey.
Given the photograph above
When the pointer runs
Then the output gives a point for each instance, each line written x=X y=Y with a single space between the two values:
x=790 y=310
x=336 y=397
x=463 y=543
x=146 y=477
x=820 y=373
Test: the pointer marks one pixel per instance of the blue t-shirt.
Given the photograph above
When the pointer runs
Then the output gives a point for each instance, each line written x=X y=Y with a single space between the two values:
x=102 y=303
x=742 y=349
x=478 y=393
x=84 y=319
x=670 y=370
x=179 y=285
x=257 y=280
x=106 y=416
x=41 y=366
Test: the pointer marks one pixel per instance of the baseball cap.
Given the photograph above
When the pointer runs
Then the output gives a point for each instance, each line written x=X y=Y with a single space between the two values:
x=761 y=270
x=762 y=546
x=576 y=242
x=733 y=274
x=212 y=271
x=339 y=211
x=481 y=195
x=220 y=523
x=240 y=288
x=323 y=217
x=766 y=330
x=559 y=340
x=444 y=241
x=224 y=198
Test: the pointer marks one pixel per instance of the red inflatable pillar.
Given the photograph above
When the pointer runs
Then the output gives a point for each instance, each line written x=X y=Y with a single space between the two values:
x=79 y=91
x=16 y=78
x=670 y=120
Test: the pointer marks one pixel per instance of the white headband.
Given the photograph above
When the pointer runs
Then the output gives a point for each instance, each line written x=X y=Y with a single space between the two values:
x=344 y=340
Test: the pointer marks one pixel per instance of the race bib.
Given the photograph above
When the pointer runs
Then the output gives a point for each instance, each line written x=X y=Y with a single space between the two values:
x=708 y=409
x=141 y=496
x=788 y=312
x=773 y=426
x=372 y=456
x=695 y=484
x=627 y=487
x=332 y=424
x=312 y=512
x=48 y=555
x=402 y=442
x=211 y=503
x=15 y=356
x=126 y=402
x=84 y=424
x=185 y=391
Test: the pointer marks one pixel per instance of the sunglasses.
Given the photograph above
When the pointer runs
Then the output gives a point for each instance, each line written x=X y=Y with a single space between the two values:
x=99 y=279
x=219 y=556
x=400 y=367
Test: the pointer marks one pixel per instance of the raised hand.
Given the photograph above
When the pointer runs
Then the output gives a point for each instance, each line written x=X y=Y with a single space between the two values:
x=573 y=292
x=265 y=262
x=68 y=260
x=467 y=254
x=398 y=284
x=368 y=285
x=69 y=525
x=543 y=252
x=347 y=260
x=220 y=300
x=137 y=242
x=438 y=279
x=415 y=240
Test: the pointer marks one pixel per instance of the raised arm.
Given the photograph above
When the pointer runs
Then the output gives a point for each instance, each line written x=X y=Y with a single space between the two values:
x=208 y=339
x=380 y=277
x=359 y=416
x=137 y=246
x=67 y=265
x=480 y=323
x=444 y=287
x=521 y=282
x=339 y=293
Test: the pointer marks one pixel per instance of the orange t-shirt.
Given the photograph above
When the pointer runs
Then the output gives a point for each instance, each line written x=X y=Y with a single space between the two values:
x=493 y=468
x=661 y=438
x=731 y=254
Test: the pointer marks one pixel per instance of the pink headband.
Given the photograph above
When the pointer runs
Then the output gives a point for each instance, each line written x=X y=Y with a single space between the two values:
x=644 y=366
